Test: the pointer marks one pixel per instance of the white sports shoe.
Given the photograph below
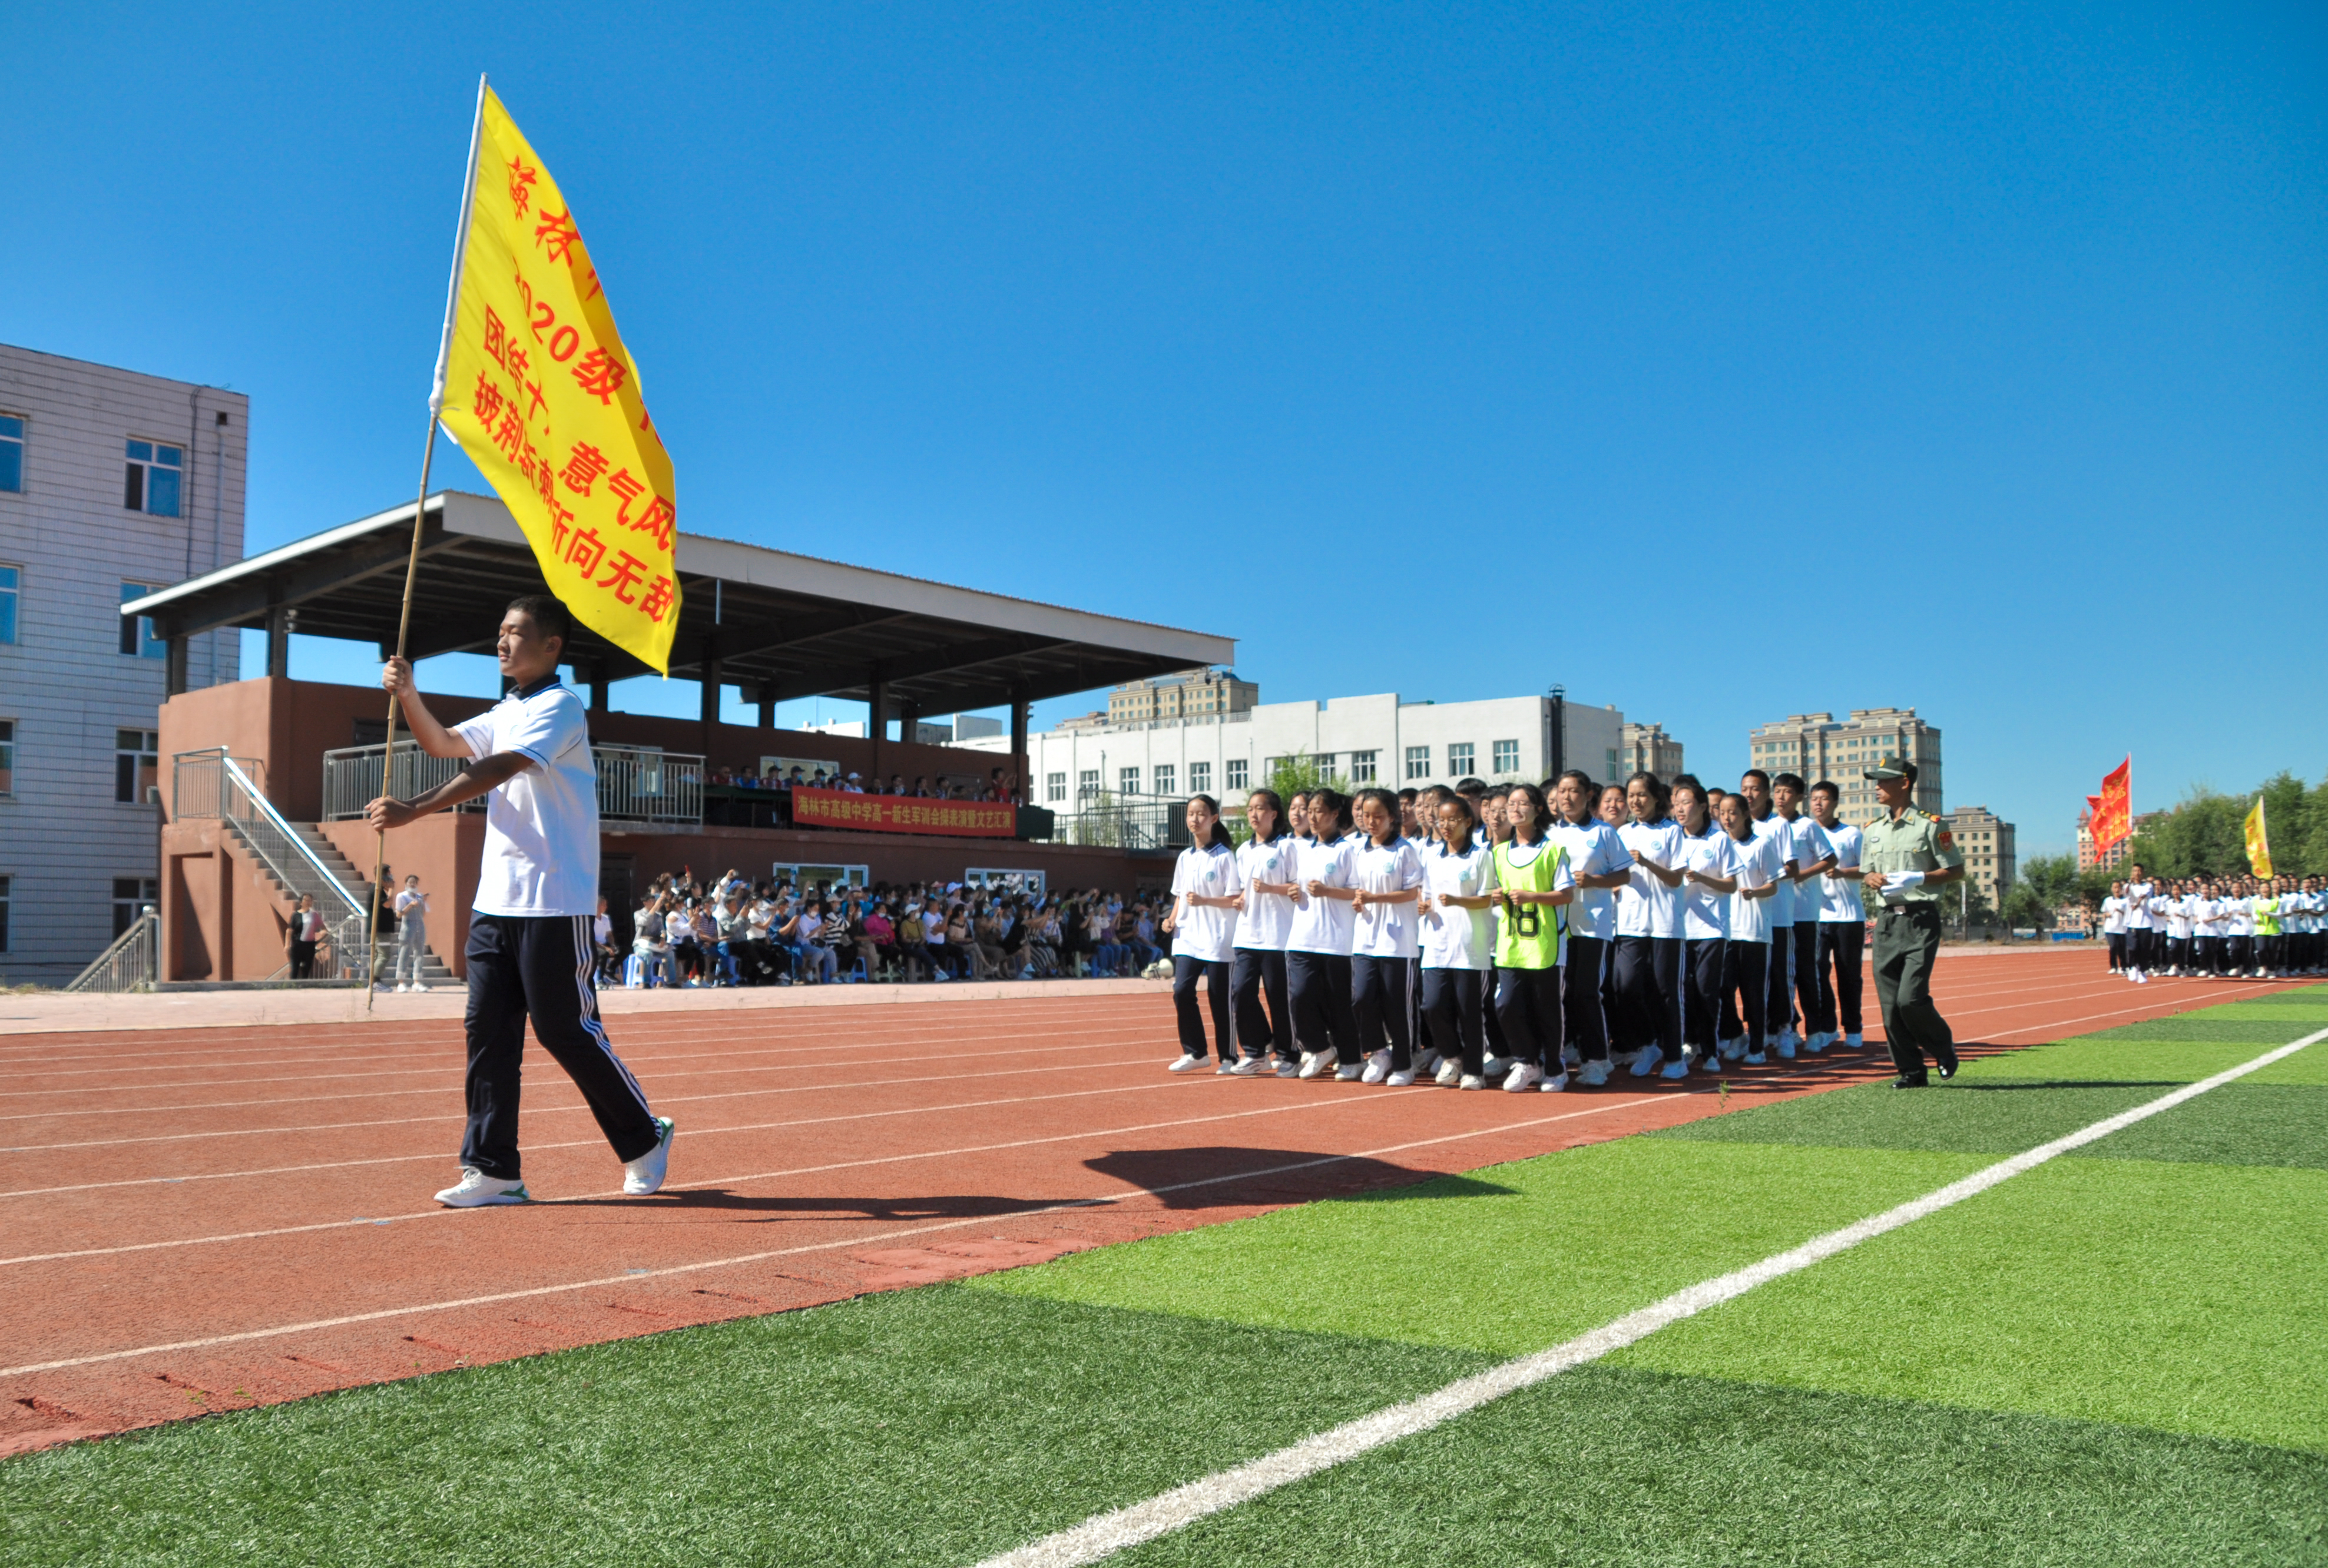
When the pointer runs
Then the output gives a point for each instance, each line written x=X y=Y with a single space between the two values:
x=1473 y=1081
x=1709 y=1061
x=1286 y=1069
x=1400 y=1080
x=1786 y=1047
x=1554 y=1084
x=1347 y=1072
x=1449 y=1074
x=1250 y=1067
x=1427 y=1062
x=1186 y=1065
x=401 y=990
x=644 y=1175
x=1730 y=1050
x=1570 y=1057
x=1593 y=1072
x=1756 y=1059
x=1818 y=1042
x=478 y=1190
x=1227 y=1068
x=1679 y=1069
x=1315 y=1063
x=1524 y=1077
x=1646 y=1060
x=1854 y=1042
x=1378 y=1068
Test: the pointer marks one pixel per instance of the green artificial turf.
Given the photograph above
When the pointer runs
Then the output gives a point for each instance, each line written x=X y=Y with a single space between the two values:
x=2189 y=1298
x=2202 y=1027
x=1994 y=1117
x=931 y=1426
x=1607 y=1466
x=2241 y=1123
x=1581 y=1236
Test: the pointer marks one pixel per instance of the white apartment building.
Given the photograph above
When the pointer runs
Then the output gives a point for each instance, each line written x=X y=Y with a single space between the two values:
x=112 y=485
x=1369 y=740
x=1985 y=841
x=1818 y=746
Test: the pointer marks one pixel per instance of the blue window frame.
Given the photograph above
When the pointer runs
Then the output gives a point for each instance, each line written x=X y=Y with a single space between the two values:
x=152 y=478
x=138 y=631
x=12 y=588
x=11 y=453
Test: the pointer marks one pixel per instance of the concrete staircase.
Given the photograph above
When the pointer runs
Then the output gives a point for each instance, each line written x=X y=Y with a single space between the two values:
x=433 y=969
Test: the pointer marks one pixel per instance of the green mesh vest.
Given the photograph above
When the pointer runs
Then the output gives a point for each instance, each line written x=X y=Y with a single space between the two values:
x=1517 y=947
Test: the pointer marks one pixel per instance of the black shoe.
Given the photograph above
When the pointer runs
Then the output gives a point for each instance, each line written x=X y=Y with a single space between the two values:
x=1948 y=1066
x=1918 y=1082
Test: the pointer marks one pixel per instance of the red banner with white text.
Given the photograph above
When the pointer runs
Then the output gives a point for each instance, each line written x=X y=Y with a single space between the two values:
x=2114 y=819
x=904 y=814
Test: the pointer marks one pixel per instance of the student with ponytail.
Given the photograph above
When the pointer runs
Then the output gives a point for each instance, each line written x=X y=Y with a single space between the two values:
x=1709 y=862
x=1533 y=883
x=1648 y=932
x=1746 y=959
x=1265 y=917
x=1203 y=925
x=1318 y=944
x=1458 y=936
x=1599 y=862
x=1385 y=885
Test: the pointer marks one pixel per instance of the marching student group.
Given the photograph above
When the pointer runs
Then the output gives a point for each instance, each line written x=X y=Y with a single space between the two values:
x=1515 y=935
x=2216 y=928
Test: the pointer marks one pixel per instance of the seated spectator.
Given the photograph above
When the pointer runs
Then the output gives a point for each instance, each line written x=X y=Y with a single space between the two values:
x=986 y=945
x=934 y=933
x=650 y=946
x=1107 y=952
x=817 y=964
x=897 y=783
x=912 y=943
x=1043 y=942
x=608 y=969
x=1142 y=937
x=879 y=945
x=731 y=929
x=685 y=955
x=853 y=784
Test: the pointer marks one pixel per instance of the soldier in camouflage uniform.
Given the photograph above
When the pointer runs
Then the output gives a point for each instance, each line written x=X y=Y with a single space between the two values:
x=1908 y=855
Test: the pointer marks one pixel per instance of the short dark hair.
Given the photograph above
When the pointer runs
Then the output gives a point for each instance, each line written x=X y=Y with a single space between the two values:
x=1755 y=773
x=1793 y=781
x=1829 y=785
x=549 y=616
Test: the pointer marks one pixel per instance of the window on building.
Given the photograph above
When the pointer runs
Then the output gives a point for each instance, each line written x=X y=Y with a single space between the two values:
x=12 y=588
x=1459 y=760
x=131 y=895
x=1166 y=774
x=153 y=473
x=1055 y=787
x=1418 y=761
x=1362 y=768
x=1200 y=778
x=1237 y=774
x=8 y=757
x=1269 y=765
x=1086 y=784
x=138 y=631
x=3 y=914
x=136 y=763
x=12 y=452
x=1507 y=756
x=1127 y=781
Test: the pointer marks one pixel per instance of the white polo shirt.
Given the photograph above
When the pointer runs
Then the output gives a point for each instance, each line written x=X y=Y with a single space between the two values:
x=2137 y=906
x=1205 y=932
x=1782 y=902
x=541 y=827
x=1758 y=861
x=2113 y=915
x=1324 y=924
x=1593 y=849
x=1806 y=846
x=1646 y=907
x=1460 y=938
x=1386 y=930
x=1705 y=914
x=1838 y=896
x=1268 y=917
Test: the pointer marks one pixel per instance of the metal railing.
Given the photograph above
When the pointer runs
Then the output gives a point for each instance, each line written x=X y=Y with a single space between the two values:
x=134 y=961
x=635 y=785
x=1118 y=824
x=351 y=778
x=211 y=783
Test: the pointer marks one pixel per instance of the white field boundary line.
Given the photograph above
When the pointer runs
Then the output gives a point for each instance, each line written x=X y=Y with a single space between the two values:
x=1104 y=1534
x=414 y=1215
x=627 y=1278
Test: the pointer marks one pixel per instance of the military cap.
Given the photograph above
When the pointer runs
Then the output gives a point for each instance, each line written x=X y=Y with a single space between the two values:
x=1892 y=767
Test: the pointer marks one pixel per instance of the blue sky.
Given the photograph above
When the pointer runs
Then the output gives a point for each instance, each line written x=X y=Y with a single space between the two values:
x=1718 y=363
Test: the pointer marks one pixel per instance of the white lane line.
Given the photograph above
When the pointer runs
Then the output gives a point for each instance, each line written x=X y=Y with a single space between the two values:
x=629 y=1278
x=1104 y=1534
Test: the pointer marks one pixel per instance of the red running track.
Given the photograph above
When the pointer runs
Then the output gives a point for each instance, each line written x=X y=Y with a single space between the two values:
x=214 y=1218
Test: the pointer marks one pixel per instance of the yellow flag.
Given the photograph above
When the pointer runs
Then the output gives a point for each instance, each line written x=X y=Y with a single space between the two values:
x=2258 y=846
x=539 y=392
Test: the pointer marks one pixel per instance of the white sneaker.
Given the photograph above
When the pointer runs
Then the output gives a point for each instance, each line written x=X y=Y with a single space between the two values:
x=1349 y=1073
x=1378 y=1068
x=1227 y=1069
x=1554 y=1084
x=1400 y=1080
x=401 y=990
x=1315 y=1063
x=1593 y=1072
x=1186 y=1065
x=1449 y=1074
x=1250 y=1067
x=418 y=986
x=1679 y=1069
x=478 y=1190
x=1729 y=1050
x=1756 y=1059
x=1854 y=1042
x=1473 y=1081
x=1524 y=1077
x=1286 y=1069
x=644 y=1175
x=1787 y=1048
x=1646 y=1060
x=1818 y=1042
x=1570 y=1057
x=1709 y=1061
x=1428 y=1063
x=1496 y=1066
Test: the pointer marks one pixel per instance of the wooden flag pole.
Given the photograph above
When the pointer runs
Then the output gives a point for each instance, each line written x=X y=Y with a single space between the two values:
x=412 y=562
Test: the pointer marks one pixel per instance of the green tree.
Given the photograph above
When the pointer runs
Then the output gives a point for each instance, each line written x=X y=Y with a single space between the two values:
x=1301 y=771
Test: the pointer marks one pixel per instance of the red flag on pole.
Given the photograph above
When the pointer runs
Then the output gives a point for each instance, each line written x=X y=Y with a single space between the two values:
x=2114 y=815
